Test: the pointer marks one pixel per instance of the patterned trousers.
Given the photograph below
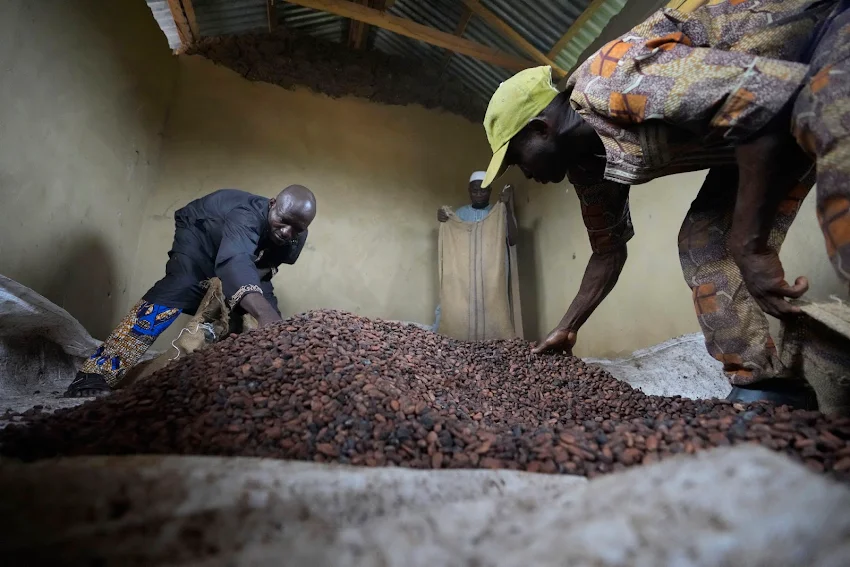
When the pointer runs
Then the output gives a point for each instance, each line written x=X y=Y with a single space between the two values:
x=123 y=348
x=735 y=328
x=821 y=125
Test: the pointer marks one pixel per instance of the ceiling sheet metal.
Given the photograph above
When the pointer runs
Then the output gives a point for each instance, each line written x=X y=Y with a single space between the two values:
x=541 y=22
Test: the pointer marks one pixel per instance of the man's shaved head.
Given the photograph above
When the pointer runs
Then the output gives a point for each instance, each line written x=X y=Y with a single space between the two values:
x=291 y=212
x=297 y=197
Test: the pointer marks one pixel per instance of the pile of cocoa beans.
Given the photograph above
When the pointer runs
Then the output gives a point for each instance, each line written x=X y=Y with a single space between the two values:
x=329 y=386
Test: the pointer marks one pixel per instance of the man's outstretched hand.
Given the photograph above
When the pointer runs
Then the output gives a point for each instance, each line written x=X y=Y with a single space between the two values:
x=559 y=340
x=765 y=279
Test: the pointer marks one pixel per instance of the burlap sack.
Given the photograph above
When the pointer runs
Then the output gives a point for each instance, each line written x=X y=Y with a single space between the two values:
x=210 y=324
x=742 y=506
x=248 y=323
x=474 y=298
x=817 y=347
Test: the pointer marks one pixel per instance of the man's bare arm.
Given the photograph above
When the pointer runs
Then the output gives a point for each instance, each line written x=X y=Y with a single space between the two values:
x=258 y=306
x=600 y=277
x=769 y=169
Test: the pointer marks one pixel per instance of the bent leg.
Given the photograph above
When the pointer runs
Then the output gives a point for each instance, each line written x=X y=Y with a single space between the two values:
x=180 y=290
x=122 y=349
x=736 y=331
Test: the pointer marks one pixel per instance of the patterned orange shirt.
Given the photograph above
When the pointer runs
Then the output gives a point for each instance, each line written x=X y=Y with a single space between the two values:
x=677 y=92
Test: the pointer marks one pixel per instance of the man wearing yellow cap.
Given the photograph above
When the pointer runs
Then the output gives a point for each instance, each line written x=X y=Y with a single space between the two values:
x=683 y=92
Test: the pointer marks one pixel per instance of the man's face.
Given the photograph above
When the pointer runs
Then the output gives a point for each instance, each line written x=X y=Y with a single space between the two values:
x=479 y=197
x=286 y=222
x=537 y=153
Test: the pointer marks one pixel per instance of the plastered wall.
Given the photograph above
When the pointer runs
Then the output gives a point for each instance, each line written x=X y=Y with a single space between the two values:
x=379 y=174
x=84 y=88
x=651 y=302
x=105 y=134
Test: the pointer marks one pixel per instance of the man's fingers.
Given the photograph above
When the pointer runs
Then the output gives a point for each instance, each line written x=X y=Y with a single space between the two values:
x=778 y=307
x=545 y=345
x=801 y=286
x=557 y=340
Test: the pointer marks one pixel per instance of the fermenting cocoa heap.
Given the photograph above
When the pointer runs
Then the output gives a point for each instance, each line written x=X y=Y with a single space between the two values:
x=334 y=387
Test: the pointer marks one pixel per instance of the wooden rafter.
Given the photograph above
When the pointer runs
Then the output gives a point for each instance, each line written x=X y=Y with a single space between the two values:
x=356 y=33
x=271 y=15
x=463 y=22
x=512 y=35
x=413 y=30
x=359 y=31
x=183 y=13
x=686 y=6
x=189 y=9
x=576 y=27
x=459 y=30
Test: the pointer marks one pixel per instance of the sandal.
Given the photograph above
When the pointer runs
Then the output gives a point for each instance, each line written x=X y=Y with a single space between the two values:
x=780 y=391
x=87 y=385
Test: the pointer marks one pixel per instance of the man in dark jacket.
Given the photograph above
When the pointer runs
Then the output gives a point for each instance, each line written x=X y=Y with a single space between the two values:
x=233 y=235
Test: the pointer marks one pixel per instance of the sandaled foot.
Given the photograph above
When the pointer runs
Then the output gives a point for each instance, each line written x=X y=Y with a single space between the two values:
x=779 y=391
x=87 y=385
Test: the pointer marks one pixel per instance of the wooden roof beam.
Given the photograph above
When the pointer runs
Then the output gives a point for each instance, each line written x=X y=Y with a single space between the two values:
x=183 y=13
x=271 y=15
x=459 y=30
x=686 y=6
x=416 y=31
x=358 y=32
x=512 y=35
x=573 y=30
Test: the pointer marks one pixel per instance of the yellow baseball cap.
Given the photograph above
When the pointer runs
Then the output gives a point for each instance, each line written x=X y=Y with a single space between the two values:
x=512 y=106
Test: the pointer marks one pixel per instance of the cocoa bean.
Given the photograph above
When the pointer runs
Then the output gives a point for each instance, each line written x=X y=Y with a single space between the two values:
x=335 y=387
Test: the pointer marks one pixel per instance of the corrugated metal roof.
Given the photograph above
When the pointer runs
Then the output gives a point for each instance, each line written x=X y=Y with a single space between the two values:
x=541 y=22
x=229 y=17
x=591 y=29
x=311 y=22
x=162 y=15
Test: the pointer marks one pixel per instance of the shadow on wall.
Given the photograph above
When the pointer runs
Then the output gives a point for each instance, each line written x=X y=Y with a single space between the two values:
x=83 y=282
x=528 y=280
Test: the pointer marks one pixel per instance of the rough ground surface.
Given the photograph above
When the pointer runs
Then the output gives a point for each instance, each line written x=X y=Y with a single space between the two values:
x=331 y=68
x=333 y=387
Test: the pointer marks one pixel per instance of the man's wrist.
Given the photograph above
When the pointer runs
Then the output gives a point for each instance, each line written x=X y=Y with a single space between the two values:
x=569 y=324
x=741 y=248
